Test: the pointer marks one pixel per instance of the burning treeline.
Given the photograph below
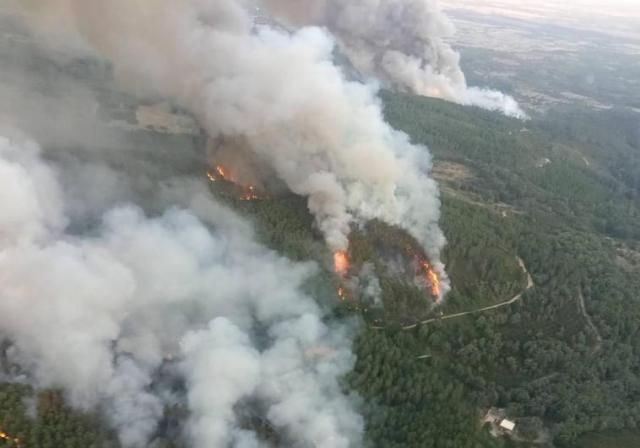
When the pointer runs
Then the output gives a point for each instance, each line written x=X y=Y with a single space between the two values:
x=241 y=192
x=432 y=278
x=425 y=274
x=13 y=441
x=285 y=102
x=281 y=98
x=341 y=262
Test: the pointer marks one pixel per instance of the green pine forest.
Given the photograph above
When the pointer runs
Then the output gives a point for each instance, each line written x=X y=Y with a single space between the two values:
x=561 y=192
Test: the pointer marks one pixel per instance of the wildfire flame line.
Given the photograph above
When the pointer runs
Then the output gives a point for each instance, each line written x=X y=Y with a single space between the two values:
x=432 y=278
x=341 y=262
x=10 y=438
x=341 y=267
x=219 y=173
x=430 y=275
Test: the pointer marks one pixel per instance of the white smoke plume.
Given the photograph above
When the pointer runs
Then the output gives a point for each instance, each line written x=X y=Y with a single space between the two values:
x=401 y=42
x=282 y=95
x=367 y=284
x=190 y=284
x=91 y=314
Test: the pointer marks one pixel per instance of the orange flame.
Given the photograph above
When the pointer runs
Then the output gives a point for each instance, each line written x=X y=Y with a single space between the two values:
x=430 y=274
x=218 y=173
x=341 y=267
x=249 y=192
x=341 y=262
x=432 y=278
x=10 y=438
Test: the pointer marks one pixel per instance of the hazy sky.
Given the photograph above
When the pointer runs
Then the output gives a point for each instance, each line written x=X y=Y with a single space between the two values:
x=617 y=18
x=546 y=8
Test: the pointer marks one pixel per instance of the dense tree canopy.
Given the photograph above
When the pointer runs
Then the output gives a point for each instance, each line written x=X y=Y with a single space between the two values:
x=561 y=193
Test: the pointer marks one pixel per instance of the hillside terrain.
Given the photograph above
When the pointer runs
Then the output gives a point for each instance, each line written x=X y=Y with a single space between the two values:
x=561 y=192
x=558 y=192
x=543 y=230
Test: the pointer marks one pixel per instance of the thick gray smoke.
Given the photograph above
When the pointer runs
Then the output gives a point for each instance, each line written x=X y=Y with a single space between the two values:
x=230 y=315
x=279 y=93
x=401 y=42
x=92 y=315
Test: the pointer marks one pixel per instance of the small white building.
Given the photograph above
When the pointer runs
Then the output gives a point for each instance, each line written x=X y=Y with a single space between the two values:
x=500 y=425
x=507 y=425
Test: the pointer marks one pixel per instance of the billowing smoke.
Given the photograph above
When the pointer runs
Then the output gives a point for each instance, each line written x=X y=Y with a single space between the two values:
x=401 y=42
x=92 y=314
x=280 y=95
x=367 y=284
x=98 y=312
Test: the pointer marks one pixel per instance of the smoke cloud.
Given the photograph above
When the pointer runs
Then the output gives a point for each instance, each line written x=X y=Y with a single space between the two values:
x=401 y=42
x=281 y=95
x=87 y=310
x=90 y=314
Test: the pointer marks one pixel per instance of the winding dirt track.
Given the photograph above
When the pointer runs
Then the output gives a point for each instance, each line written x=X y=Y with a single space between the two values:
x=594 y=329
x=518 y=297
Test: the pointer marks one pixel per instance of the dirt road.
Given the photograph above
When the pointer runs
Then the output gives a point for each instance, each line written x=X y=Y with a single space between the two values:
x=530 y=285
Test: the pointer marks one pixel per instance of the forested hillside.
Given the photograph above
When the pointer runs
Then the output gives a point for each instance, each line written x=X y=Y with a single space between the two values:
x=560 y=193
x=565 y=358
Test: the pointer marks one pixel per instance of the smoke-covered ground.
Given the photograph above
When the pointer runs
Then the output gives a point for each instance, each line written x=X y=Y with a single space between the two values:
x=91 y=314
x=117 y=263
